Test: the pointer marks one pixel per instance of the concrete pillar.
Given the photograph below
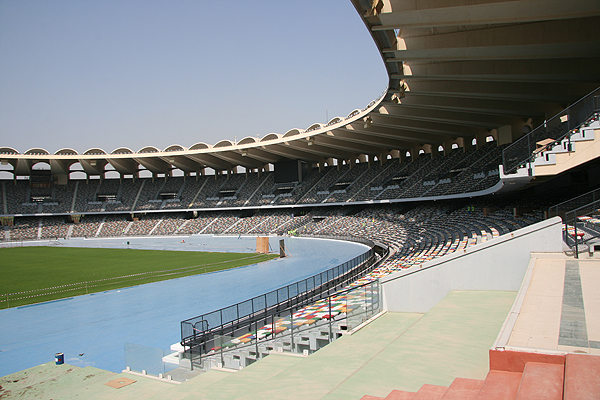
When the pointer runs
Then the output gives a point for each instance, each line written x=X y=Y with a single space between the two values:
x=505 y=134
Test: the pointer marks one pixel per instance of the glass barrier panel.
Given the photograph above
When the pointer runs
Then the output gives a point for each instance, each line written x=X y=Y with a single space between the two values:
x=141 y=358
x=356 y=307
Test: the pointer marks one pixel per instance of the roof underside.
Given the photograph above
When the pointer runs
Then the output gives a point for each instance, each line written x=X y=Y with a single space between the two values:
x=458 y=70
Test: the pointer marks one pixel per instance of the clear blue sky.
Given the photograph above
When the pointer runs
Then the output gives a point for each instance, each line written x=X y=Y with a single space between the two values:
x=108 y=74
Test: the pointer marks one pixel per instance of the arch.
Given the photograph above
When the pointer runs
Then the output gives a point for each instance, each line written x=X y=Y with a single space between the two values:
x=144 y=173
x=421 y=151
x=313 y=127
x=66 y=152
x=7 y=170
x=94 y=151
x=76 y=172
x=223 y=143
x=149 y=149
x=122 y=150
x=454 y=146
x=175 y=147
x=248 y=140
x=354 y=113
x=8 y=150
x=200 y=146
x=334 y=121
x=489 y=138
x=112 y=174
x=292 y=132
x=440 y=149
x=41 y=165
x=271 y=136
x=474 y=142
x=37 y=151
x=177 y=172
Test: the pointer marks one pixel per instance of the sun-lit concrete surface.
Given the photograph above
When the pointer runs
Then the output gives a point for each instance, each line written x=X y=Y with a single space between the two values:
x=396 y=351
x=561 y=310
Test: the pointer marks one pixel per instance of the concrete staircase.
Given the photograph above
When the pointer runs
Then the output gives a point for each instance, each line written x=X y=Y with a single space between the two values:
x=570 y=377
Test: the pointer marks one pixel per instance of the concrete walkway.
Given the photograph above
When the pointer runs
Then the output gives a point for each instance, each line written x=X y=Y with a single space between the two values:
x=396 y=351
x=561 y=309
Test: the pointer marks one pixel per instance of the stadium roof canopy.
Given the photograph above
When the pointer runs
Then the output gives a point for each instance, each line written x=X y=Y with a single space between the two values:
x=458 y=70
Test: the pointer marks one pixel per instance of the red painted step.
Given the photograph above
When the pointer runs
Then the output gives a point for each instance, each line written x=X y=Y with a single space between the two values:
x=400 y=395
x=582 y=377
x=541 y=381
x=368 y=397
x=500 y=385
x=463 y=389
x=430 y=392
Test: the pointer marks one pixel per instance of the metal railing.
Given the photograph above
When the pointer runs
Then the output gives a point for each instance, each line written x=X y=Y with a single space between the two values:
x=561 y=208
x=521 y=152
x=581 y=231
x=199 y=332
x=299 y=329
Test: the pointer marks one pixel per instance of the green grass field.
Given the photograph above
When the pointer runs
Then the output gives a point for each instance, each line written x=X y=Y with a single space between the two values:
x=35 y=274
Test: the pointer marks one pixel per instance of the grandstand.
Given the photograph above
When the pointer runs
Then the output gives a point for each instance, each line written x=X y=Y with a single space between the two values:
x=490 y=117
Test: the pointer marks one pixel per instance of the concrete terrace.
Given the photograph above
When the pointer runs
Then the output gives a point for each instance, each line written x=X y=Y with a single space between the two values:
x=560 y=309
x=395 y=351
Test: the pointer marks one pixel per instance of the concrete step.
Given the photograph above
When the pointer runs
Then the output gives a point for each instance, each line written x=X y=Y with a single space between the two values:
x=430 y=392
x=579 y=378
x=582 y=377
x=541 y=381
x=400 y=395
x=463 y=389
x=500 y=385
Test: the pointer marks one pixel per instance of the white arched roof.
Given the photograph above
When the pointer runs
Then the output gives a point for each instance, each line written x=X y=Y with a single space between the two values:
x=175 y=147
x=94 y=151
x=271 y=136
x=149 y=149
x=37 y=151
x=122 y=150
x=438 y=90
x=223 y=143
x=65 y=152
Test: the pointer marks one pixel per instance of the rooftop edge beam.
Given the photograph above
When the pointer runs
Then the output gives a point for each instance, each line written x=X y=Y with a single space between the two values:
x=484 y=14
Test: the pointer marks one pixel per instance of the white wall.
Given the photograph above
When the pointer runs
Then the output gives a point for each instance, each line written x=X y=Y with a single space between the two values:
x=498 y=264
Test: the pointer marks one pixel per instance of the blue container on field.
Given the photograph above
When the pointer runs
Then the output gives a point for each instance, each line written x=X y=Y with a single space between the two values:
x=59 y=358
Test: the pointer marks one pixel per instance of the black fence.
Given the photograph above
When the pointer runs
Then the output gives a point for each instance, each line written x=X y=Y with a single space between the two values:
x=292 y=330
x=197 y=333
x=581 y=226
x=520 y=153
x=561 y=208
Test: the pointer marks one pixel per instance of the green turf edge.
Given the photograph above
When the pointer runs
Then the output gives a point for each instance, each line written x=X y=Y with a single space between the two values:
x=33 y=264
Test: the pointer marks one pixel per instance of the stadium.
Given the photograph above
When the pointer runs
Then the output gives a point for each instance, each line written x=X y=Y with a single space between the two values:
x=470 y=184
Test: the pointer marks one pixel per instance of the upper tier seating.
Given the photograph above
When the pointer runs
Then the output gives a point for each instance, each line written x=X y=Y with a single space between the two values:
x=458 y=171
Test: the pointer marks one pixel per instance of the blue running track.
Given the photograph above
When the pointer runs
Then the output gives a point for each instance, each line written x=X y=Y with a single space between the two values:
x=98 y=325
